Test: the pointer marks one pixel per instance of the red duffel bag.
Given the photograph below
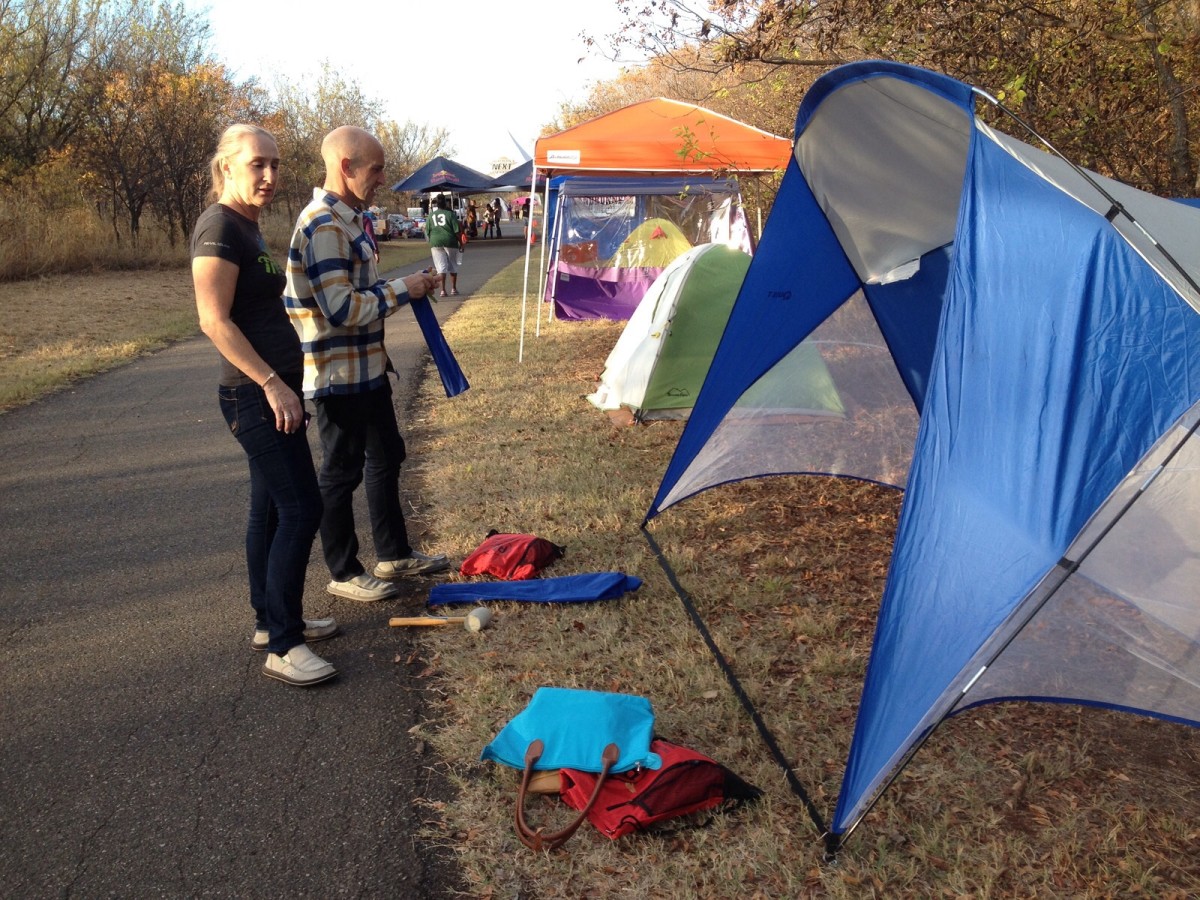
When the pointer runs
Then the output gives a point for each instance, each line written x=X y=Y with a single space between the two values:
x=631 y=801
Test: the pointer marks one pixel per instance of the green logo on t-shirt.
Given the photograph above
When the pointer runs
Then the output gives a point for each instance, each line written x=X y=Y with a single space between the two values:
x=268 y=264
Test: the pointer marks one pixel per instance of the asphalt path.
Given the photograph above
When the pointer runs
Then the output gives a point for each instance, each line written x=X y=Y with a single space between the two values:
x=142 y=752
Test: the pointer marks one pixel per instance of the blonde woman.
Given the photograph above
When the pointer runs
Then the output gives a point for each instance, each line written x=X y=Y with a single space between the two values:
x=239 y=288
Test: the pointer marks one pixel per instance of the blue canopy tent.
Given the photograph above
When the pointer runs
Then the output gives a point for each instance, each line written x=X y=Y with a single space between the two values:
x=442 y=175
x=600 y=266
x=1030 y=335
x=519 y=178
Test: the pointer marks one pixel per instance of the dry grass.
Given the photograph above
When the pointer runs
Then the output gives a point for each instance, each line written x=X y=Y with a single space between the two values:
x=71 y=241
x=1006 y=801
x=59 y=328
x=63 y=327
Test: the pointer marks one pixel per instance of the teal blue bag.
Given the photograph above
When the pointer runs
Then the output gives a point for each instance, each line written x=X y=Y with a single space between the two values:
x=575 y=726
x=566 y=728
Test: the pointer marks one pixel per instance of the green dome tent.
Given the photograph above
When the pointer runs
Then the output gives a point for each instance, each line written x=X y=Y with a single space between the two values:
x=657 y=366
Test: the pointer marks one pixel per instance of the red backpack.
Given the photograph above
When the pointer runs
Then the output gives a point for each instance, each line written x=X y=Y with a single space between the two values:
x=511 y=557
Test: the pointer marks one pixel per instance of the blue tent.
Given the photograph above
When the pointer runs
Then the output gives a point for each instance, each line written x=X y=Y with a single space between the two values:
x=589 y=219
x=1017 y=343
x=445 y=175
x=519 y=179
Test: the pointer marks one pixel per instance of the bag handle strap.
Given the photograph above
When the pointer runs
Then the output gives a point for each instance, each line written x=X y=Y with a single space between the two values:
x=535 y=840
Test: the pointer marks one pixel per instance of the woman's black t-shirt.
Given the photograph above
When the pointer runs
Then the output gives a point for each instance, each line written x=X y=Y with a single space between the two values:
x=258 y=297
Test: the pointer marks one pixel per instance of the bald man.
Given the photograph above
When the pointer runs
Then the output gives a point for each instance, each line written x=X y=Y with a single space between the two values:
x=337 y=303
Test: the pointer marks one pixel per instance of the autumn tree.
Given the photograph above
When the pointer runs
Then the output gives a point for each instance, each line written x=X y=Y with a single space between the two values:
x=751 y=94
x=49 y=51
x=307 y=110
x=409 y=146
x=162 y=103
x=1109 y=82
x=186 y=112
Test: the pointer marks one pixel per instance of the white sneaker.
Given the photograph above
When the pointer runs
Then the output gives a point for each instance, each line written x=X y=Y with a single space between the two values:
x=416 y=564
x=299 y=666
x=314 y=630
x=364 y=588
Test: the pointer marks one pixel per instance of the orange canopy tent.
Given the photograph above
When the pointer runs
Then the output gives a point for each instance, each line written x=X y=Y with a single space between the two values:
x=664 y=137
x=655 y=137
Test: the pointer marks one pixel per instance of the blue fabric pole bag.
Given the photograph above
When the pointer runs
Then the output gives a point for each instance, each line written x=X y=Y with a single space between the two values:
x=453 y=380
x=584 y=588
x=575 y=726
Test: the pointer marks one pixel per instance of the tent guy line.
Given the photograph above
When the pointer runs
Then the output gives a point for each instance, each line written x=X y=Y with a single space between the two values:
x=735 y=685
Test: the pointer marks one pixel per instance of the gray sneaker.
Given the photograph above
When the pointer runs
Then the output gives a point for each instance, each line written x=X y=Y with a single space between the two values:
x=299 y=666
x=314 y=630
x=364 y=588
x=416 y=564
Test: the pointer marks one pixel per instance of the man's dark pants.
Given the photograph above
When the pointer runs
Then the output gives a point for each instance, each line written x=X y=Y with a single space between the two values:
x=361 y=444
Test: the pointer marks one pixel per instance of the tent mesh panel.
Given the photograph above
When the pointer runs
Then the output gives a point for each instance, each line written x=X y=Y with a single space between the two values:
x=835 y=405
x=1124 y=631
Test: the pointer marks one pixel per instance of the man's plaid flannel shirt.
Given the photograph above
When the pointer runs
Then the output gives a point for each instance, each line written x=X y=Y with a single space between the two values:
x=336 y=301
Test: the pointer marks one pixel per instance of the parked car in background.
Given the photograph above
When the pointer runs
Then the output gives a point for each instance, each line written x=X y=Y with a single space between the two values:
x=379 y=226
x=403 y=226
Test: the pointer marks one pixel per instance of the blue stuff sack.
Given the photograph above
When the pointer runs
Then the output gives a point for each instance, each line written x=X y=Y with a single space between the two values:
x=575 y=726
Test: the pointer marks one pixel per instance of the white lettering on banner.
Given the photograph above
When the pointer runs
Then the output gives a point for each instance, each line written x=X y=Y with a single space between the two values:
x=563 y=157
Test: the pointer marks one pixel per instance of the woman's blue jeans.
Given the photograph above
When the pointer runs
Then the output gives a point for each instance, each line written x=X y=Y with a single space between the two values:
x=285 y=512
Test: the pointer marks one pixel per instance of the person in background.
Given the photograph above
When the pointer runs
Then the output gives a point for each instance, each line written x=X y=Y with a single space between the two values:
x=472 y=224
x=337 y=303
x=442 y=233
x=369 y=231
x=489 y=220
x=496 y=219
x=238 y=288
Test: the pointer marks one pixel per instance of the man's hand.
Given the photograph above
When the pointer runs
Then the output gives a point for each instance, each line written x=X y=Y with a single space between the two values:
x=419 y=284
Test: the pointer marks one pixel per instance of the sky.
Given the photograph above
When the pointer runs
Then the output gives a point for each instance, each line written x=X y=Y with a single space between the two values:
x=455 y=64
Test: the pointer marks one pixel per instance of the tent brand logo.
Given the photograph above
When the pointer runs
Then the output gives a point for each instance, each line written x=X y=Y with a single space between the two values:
x=779 y=295
x=563 y=157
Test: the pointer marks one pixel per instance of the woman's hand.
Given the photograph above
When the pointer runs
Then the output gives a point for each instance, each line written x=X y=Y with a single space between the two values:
x=288 y=408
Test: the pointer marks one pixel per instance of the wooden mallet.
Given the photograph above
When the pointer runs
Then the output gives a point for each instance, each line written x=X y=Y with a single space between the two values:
x=476 y=620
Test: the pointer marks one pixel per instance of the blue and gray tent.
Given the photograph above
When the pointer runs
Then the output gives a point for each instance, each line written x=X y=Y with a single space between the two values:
x=442 y=175
x=1017 y=342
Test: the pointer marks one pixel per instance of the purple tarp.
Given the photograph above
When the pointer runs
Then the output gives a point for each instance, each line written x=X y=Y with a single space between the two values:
x=588 y=292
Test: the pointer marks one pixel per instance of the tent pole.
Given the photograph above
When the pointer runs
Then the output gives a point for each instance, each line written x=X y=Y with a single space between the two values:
x=542 y=264
x=1117 y=207
x=551 y=249
x=525 y=285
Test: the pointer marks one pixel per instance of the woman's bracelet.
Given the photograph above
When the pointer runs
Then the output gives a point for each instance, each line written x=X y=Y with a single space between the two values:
x=267 y=380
